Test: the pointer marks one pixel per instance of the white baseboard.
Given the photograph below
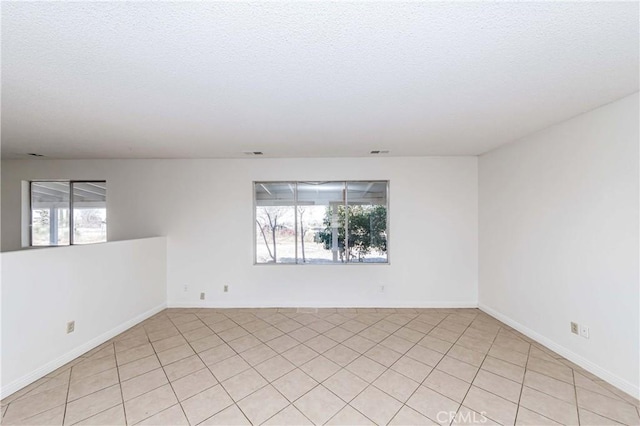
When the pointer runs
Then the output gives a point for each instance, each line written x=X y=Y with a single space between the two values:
x=42 y=371
x=307 y=304
x=605 y=375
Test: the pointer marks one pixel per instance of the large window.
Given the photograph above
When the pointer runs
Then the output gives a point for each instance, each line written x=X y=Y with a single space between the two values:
x=68 y=212
x=321 y=222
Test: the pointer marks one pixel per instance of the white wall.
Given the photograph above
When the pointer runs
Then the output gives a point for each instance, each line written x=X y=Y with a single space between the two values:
x=204 y=207
x=559 y=238
x=106 y=288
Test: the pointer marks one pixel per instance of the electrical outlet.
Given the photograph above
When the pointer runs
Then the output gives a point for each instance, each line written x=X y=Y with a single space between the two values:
x=584 y=331
x=381 y=289
x=186 y=288
x=71 y=327
x=226 y=288
x=201 y=296
x=574 y=328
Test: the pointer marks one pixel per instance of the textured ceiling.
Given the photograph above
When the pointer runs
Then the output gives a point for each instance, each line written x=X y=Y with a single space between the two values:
x=303 y=79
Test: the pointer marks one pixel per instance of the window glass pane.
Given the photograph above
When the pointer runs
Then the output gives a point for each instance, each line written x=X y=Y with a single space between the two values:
x=367 y=222
x=275 y=222
x=49 y=213
x=89 y=212
x=321 y=222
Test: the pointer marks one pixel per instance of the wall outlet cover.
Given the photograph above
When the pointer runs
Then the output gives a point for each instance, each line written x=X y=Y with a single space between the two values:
x=584 y=331
x=574 y=327
x=71 y=327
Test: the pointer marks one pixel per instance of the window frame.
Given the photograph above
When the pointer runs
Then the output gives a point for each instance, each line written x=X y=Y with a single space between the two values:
x=346 y=201
x=71 y=183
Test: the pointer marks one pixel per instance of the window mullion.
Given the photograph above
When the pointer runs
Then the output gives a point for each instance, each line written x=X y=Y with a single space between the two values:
x=71 y=184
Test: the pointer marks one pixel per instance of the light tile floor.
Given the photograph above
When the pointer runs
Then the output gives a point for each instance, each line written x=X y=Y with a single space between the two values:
x=331 y=366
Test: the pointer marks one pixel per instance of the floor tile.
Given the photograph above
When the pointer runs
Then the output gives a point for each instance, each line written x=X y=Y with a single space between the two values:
x=258 y=354
x=319 y=405
x=341 y=355
x=467 y=416
x=435 y=344
x=531 y=418
x=193 y=384
x=411 y=368
x=320 y=368
x=82 y=387
x=205 y=404
x=383 y=355
x=498 y=385
x=216 y=354
x=376 y=405
x=263 y=404
x=229 y=367
x=230 y=416
x=244 y=343
x=397 y=343
x=138 y=367
x=91 y=367
x=459 y=369
x=111 y=417
x=431 y=404
x=172 y=416
x=294 y=384
x=299 y=355
x=397 y=385
x=92 y=404
x=274 y=368
x=52 y=416
x=490 y=405
x=550 y=386
x=551 y=369
x=243 y=384
x=508 y=355
x=183 y=367
x=175 y=354
x=607 y=407
x=282 y=343
x=349 y=416
x=320 y=343
x=548 y=406
x=205 y=343
x=504 y=369
x=449 y=386
x=134 y=354
x=467 y=355
x=149 y=404
x=425 y=355
x=588 y=418
x=408 y=416
x=339 y=334
x=345 y=385
x=359 y=344
x=144 y=383
x=367 y=369
x=290 y=416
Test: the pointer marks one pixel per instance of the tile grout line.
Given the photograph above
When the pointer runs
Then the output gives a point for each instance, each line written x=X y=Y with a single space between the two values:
x=524 y=376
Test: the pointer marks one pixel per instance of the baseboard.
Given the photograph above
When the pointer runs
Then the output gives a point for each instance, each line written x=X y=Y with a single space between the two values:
x=605 y=375
x=223 y=305
x=40 y=372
